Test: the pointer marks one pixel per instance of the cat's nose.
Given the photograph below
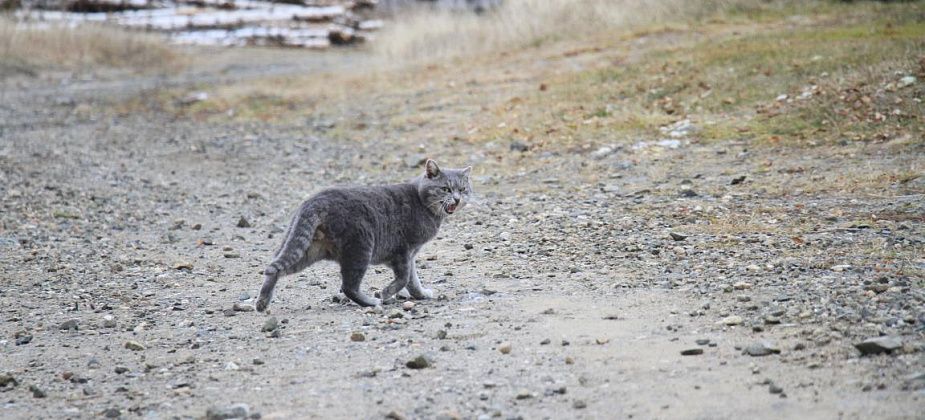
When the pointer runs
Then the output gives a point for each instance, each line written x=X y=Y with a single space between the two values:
x=456 y=200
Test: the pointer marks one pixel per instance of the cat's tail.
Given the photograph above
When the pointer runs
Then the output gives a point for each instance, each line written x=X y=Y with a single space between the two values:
x=298 y=240
x=291 y=255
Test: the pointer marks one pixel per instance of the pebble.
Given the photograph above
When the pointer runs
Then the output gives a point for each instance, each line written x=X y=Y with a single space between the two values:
x=37 y=392
x=692 y=352
x=121 y=369
x=236 y=411
x=242 y=307
x=545 y=341
x=441 y=334
x=257 y=361
x=517 y=146
x=579 y=404
x=731 y=320
x=774 y=389
x=109 y=321
x=243 y=223
x=415 y=161
x=877 y=345
x=134 y=345
x=907 y=81
x=23 y=338
x=394 y=415
x=357 y=336
x=419 y=362
x=112 y=413
x=762 y=348
x=702 y=341
x=271 y=324
x=68 y=325
x=407 y=306
x=505 y=348
x=677 y=236
x=524 y=394
x=7 y=381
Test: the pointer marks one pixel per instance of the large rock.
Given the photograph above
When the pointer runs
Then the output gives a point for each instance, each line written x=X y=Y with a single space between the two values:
x=235 y=411
x=879 y=345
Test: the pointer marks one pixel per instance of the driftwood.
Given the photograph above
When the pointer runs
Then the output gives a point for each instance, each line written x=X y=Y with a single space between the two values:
x=293 y=23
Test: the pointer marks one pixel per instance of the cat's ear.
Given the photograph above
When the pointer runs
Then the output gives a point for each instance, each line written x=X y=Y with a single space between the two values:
x=466 y=171
x=431 y=169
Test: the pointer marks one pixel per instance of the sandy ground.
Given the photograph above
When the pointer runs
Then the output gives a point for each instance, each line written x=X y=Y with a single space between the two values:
x=128 y=226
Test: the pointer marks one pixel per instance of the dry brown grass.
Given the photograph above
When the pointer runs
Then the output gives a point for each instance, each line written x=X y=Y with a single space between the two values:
x=30 y=48
x=430 y=36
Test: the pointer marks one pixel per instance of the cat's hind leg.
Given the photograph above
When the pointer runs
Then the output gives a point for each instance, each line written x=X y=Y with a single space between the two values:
x=353 y=265
x=292 y=257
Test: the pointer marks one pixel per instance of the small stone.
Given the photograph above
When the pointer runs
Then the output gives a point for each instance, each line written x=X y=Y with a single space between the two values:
x=257 y=361
x=602 y=152
x=737 y=180
x=702 y=341
x=394 y=415
x=415 y=161
x=134 y=345
x=741 y=286
x=183 y=265
x=23 y=338
x=731 y=320
x=121 y=369
x=236 y=411
x=579 y=404
x=841 y=267
x=907 y=81
x=37 y=392
x=68 y=325
x=467 y=246
x=517 y=146
x=232 y=366
x=505 y=348
x=771 y=320
x=762 y=348
x=109 y=321
x=441 y=334
x=569 y=360
x=396 y=315
x=774 y=389
x=271 y=324
x=879 y=345
x=111 y=413
x=357 y=336
x=524 y=394
x=407 y=306
x=232 y=254
x=545 y=341
x=692 y=352
x=419 y=362
x=242 y=307
x=677 y=236
x=7 y=381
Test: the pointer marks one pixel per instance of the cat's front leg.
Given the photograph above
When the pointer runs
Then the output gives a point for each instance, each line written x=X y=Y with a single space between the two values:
x=401 y=269
x=414 y=286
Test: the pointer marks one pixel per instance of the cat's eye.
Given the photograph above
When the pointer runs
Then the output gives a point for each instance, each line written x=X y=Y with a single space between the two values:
x=446 y=189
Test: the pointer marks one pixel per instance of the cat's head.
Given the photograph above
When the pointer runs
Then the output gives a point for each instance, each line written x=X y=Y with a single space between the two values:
x=444 y=191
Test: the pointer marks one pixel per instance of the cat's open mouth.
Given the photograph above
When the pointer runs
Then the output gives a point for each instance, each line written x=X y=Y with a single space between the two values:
x=450 y=208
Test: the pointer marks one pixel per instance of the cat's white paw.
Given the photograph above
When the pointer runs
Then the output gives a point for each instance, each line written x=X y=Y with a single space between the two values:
x=427 y=293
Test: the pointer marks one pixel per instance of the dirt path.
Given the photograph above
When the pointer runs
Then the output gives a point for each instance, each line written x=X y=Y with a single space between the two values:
x=129 y=226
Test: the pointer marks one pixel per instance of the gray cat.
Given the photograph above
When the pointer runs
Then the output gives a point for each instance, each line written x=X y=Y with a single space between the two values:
x=370 y=225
